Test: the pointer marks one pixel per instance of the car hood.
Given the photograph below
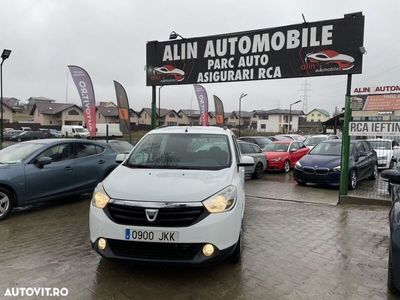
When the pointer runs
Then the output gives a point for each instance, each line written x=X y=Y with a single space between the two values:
x=165 y=184
x=321 y=161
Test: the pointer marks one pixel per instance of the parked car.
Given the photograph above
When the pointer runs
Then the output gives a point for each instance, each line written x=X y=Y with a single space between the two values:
x=10 y=133
x=113 y=130
x=37 y=171
x=293 y=137
x=388 y=152
x=393 y=281
x=29 y=135
x=261 y=141
x=26 y=128
x=277 y=138
x=322 y=164
x=169 y=201
x=260 y=162
x=51 y=132
x=283 y=155
x=119 y=147
x=75 y=131
x=311 y=141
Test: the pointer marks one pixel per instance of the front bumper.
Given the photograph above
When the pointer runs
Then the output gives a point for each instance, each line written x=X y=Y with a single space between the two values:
x=222 y=230
x=331 y=178
x=275 y=165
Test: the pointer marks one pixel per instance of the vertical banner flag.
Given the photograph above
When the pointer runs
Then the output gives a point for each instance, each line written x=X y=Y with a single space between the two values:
x=219 y=111
x=203 y=103
x=85 y=89
x=123 y=108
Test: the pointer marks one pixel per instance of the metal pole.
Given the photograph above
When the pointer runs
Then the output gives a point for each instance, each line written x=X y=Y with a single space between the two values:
x=153 y=107
x=107 y=133
x=344 y=166
x=290 y=117
x=240 y=112
x=1 y=105
x=159 y=105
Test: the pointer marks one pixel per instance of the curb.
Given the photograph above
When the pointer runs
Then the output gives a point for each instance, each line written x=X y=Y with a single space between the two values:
x=363 y=201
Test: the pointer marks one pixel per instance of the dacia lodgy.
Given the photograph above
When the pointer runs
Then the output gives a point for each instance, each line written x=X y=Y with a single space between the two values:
x=178 y=197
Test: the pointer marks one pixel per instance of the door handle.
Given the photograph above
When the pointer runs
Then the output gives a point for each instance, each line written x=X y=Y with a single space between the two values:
x=101 y=161
x=68 y=168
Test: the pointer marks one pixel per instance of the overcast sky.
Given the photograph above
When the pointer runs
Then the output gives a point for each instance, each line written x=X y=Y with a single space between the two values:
x=108 y=39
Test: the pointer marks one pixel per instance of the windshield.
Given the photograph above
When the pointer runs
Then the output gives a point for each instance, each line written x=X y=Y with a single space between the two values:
x=77 y=129
x=17 y=153
x=328 y=148
x=121 y=147
x=381 y=145
x=262 y=142
x=181 y=151
x=314 y=140
x=276 y=147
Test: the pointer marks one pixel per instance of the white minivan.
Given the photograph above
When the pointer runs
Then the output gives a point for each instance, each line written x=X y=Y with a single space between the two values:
x=113 y=130
x=75 y=131
x=172 y=201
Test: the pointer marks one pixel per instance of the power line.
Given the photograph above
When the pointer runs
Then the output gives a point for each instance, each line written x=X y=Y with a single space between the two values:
x=306 y=90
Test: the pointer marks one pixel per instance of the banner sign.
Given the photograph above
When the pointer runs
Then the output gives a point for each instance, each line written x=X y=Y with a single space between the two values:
x=123 y=108
x=377 y=89
x=374 y=129
x=379 y=102
x=85 y=89
x=203 y=103
x=219 y=111
x=329 y=47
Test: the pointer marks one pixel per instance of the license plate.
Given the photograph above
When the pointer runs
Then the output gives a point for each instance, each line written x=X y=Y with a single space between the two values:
x=152 y=235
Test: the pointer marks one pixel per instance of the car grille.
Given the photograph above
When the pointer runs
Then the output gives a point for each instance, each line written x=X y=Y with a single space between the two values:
x=180 y=216
x=322 y=171
x=308 y=170
x=145 y=250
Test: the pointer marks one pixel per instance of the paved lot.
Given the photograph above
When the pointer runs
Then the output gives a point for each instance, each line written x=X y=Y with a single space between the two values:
x=292 y=251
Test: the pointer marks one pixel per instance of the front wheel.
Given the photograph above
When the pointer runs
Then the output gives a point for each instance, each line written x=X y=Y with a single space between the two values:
x=374 y=174
x=6 y=203
x=258 y=171
x=353 y=180
x=286 y=166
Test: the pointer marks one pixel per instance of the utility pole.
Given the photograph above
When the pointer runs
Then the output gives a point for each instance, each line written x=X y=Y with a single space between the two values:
x=305 y=90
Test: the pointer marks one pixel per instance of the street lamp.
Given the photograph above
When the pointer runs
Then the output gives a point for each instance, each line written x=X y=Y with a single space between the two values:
x=240 y=109
x=173 y=36
x=290 y=113
x=159 y=105
x=6 y=53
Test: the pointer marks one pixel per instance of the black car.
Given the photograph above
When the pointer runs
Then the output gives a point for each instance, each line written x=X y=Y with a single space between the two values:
x=30 y=135
x=322 y=164
x=261 y=141
x=11 y=133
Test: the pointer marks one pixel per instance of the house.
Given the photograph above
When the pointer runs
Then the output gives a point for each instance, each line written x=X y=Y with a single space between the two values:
x=245 y=117
x=133 y=117
x=145 y=117
x=192 y=117
x=317 y=115
x=11 y=102
x=107 y=114
x=277 y=120
x=8 y=113
x=49 y=113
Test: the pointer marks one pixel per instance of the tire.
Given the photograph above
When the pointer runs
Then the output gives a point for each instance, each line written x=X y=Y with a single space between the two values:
x=302 y=183
x=286 y=166
x=236 y=255
x=258 y=171
x=390 y=279
x=6 y=202
x=353 y=180
x=391 y=165
x=374 y=174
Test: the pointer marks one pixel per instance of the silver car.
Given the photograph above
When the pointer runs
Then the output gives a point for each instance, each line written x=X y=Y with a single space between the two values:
x=260 y=161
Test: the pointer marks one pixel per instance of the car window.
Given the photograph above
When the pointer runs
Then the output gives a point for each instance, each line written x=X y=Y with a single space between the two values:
x=84 y=149
x=57 y=153
x=360 y=148
x=294 y=146
x=100 y=149
x=245 y=148
x=256 y=148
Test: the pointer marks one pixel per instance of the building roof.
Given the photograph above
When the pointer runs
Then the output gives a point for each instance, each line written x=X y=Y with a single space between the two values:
x=278 y=111
x=108 y=111
x=40 y=99
x=244 y=114
x=322 y=111
x=51 y=108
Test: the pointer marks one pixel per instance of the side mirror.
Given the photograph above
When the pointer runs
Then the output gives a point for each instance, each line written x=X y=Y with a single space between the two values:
x=246 y=161
x=43 y=161
x=120 y=158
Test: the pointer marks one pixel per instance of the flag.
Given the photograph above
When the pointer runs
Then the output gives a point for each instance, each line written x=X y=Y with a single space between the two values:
x=219 y=111
x=203 y=103
x=123 y=108
x=85 y=89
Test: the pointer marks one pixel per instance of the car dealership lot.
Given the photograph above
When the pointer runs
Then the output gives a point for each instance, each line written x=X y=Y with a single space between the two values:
x=291 y=251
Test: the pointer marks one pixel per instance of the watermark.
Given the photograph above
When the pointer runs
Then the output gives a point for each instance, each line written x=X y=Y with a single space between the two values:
x=36 y=292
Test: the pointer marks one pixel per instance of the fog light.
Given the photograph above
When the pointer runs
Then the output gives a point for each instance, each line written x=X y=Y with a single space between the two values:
x=101 y=244
x=208 y=250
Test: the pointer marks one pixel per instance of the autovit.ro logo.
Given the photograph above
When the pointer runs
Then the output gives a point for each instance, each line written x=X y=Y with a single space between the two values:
x=327 y=61
x=36 y=292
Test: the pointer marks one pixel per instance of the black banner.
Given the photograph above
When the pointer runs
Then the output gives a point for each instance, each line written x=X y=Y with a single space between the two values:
x=329 y=47
x=123 y=108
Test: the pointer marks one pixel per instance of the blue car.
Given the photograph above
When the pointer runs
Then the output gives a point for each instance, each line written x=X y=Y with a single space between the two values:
x=322 y=164
x=41 y=170
x=393 y=176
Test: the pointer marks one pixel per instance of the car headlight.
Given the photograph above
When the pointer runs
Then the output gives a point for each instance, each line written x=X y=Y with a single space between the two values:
x=298 y=165
x=222 y=201
x=336 y=169
x=100 y=198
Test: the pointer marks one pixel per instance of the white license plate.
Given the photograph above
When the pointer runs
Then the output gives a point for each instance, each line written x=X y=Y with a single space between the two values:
x=151 y=235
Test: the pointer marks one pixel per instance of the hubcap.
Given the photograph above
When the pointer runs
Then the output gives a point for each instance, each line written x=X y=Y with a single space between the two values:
x=287 y=166
x=4 y=203
x=375 y=171
x=353 y=179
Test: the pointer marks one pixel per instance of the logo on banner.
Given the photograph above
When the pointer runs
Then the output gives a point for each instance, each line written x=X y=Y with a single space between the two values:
x=168 y=73
x=327 y=61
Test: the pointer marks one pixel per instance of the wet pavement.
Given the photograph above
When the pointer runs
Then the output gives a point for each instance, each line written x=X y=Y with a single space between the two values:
x=292 y=250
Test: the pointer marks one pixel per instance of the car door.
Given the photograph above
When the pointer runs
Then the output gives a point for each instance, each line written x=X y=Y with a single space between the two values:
x=53 y=179
x=362 y=160
x=245 y=149
x=90 y=164
x=258 y=155
x=294 y=153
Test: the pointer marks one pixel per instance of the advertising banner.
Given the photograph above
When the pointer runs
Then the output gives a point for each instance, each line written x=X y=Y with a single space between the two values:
x=85 y=89
x=123 y=108
x=219 y=111
x=374 y=129
x=202 y=98
x=330 y=47
x=378 y=102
